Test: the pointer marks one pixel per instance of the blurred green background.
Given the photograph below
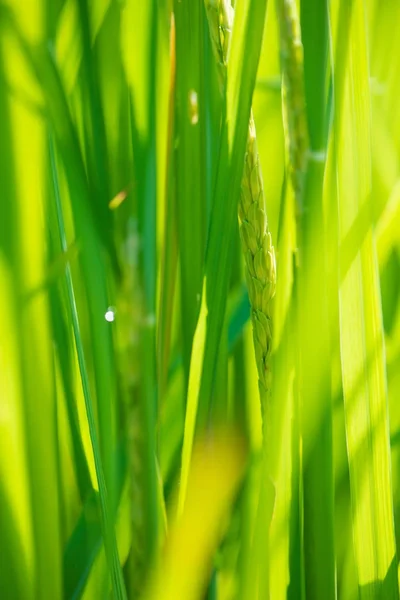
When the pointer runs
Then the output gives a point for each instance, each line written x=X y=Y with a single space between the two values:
x=125 y=335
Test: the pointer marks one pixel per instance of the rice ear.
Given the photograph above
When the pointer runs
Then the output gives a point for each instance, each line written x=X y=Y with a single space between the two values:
x=255 y=236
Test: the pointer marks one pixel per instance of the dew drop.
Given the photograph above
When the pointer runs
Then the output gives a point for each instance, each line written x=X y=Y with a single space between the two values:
x=110 y=314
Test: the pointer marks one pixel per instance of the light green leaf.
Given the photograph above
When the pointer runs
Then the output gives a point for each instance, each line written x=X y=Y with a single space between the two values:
x=361 y=327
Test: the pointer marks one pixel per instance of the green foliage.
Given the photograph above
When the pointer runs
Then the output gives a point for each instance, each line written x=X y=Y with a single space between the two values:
x=136 y=458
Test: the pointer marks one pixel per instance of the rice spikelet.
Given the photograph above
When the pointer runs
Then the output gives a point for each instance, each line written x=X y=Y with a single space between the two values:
x=254 y=232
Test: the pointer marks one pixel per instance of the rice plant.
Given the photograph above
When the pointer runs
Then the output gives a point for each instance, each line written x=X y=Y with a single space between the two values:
x=200 y=299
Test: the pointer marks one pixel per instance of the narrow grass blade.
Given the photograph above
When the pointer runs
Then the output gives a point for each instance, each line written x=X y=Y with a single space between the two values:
x=17 y=573
x=312 y=328
x=106 y=518
x=216 y=470
x=190 y=164
x=286 y=550
x=23 y=262
x=361 y=328
x=315 y=34
x=84 y=546
x=195 y=373
x=68 y=45
x=387 y=233
x=140 y=31
x=170 y=242
x=62 y=341
x=95 y=143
